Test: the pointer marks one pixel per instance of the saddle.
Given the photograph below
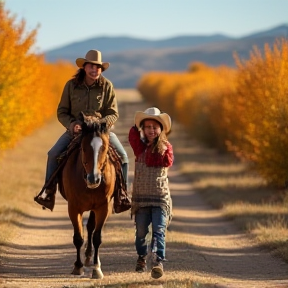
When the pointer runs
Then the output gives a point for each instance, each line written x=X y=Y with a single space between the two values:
x=122 y=200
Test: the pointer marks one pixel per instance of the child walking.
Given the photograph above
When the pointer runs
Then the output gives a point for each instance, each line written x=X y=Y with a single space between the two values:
x=151 y=200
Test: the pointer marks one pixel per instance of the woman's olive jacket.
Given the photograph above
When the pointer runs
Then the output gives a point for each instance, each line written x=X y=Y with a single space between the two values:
x=99 y=97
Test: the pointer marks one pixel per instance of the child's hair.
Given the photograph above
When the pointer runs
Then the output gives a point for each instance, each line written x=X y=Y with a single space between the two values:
x=160 y=143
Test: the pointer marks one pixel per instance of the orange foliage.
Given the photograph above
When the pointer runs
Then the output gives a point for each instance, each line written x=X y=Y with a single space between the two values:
x=261 y=106
x=192 y=98
x=29 y=90
x=244 y=110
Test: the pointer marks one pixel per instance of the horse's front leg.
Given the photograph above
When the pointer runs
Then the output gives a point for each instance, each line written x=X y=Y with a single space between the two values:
x=97 y=272
x=89 y=248
x=100 y=219
x=76 y=219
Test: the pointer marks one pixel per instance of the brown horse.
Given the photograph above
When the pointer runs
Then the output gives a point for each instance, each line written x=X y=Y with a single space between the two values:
x=87 y=183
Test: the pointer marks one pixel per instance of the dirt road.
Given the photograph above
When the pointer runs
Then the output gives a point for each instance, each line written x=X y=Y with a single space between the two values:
x=203 y=249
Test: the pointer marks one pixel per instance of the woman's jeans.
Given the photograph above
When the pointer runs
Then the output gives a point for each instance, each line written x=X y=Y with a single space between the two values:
x=143 y=218
x=62 y=144
x=59 y=147
x=122 y=153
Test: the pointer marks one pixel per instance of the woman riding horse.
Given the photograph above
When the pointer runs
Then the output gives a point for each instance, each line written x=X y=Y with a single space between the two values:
x=87 y=91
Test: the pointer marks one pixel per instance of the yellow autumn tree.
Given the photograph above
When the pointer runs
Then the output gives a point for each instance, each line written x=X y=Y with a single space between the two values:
x=19 y=75
x=30 y=89
x=259 y=118
x=193 y=98
x=244 y=109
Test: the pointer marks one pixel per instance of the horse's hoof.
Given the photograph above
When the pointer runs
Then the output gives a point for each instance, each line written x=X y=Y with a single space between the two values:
x=78 y=271
x=97 y=274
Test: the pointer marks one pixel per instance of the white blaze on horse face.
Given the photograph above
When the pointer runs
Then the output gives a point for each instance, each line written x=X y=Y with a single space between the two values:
x=96 y=144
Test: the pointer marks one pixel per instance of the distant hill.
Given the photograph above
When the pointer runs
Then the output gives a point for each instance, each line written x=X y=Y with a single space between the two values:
x=124 y=44
x=130 y=58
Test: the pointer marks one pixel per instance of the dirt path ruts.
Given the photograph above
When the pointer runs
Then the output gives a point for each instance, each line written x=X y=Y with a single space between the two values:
x=202 y=246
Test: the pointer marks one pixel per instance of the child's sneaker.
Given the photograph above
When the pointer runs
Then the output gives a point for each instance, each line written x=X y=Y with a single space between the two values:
x=141 y=264
x=157 y=270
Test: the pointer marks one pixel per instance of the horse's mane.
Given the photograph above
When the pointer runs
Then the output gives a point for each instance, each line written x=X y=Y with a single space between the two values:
x=92 y=123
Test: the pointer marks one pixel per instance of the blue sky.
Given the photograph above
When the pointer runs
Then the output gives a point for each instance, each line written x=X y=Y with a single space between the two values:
x=65 y=21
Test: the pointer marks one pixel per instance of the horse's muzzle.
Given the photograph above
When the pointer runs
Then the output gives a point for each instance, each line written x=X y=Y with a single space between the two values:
x=92 y=181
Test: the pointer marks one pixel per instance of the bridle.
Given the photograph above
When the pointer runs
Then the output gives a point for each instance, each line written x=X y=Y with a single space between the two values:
x=99 y=143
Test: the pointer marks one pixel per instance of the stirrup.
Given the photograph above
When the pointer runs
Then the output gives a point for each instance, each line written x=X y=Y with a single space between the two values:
x=48 y=202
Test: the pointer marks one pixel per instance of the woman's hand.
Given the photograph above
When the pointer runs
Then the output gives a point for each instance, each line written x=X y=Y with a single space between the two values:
x=75 y=127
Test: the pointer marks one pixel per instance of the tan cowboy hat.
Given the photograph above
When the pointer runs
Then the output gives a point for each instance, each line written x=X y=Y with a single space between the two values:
x=94 y=57
x=154 y=114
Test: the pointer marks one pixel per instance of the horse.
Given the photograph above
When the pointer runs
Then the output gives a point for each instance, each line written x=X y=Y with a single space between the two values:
x=87 y=183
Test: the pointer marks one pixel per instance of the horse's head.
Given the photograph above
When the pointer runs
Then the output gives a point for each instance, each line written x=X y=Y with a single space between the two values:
x=94 y=149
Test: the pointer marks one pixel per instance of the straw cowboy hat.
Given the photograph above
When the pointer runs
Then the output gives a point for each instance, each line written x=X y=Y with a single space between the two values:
x=94 y=57
x=154 y=114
